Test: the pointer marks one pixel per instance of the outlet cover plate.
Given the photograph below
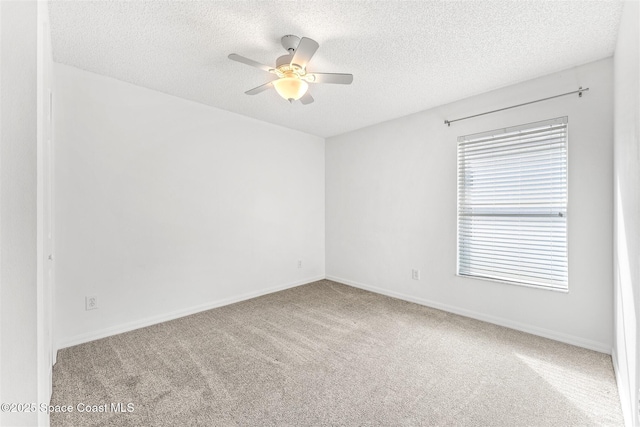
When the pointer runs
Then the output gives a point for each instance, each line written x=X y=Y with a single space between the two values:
x=91 y=303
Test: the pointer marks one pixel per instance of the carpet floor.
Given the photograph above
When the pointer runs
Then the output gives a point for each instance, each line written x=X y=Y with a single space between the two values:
x=329 y=354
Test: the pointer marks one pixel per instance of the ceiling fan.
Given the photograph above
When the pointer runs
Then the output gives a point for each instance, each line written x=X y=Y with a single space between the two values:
x=290 y=77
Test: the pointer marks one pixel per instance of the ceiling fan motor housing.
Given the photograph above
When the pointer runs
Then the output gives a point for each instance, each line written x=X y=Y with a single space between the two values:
x=284 y=68
x=284 y=60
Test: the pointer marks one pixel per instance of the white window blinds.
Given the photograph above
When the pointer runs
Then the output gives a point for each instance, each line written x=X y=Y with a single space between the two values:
x=512 y=204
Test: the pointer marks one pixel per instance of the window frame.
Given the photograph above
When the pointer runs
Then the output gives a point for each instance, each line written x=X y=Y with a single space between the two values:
x=496 y=132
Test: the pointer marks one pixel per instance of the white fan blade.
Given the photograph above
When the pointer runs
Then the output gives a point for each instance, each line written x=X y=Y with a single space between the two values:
x=305 y=50
x=306 y=98
x=259 y=89
x=236 y=57
x=335 y=78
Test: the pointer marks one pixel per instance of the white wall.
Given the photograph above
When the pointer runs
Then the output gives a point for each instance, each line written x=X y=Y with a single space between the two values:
x=165 y=206
x=391 y=207
x=18 y=124
x=627 y=209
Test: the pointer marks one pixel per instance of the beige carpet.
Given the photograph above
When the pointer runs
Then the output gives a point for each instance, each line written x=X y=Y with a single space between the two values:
x=329 y=354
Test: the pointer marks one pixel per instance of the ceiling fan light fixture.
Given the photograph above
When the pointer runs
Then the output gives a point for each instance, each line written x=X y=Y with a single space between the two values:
x=292 y=81
x=291 y=88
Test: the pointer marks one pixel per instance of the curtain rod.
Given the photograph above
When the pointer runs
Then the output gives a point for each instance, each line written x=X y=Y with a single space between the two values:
x=579 y=92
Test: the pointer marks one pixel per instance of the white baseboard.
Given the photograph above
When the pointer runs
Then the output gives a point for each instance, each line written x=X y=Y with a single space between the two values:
x=130 y=326
x=126 y=327
x=626 y=403
x=546 y=333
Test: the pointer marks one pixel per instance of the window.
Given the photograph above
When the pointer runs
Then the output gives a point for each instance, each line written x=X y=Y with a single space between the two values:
x=512 y=205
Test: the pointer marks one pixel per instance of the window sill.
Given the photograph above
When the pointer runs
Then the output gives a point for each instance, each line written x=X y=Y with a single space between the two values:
x=507 y=282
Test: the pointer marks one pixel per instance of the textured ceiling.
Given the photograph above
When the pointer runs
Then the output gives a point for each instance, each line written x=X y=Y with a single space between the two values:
x=406 y=56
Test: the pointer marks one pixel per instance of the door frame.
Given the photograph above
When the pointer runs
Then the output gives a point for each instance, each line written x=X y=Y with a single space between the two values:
x=45 y=277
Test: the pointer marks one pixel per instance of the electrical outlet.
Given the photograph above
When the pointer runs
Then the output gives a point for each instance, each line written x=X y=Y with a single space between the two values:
x=299 y=263
x=415 y=274
x=91 y=303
